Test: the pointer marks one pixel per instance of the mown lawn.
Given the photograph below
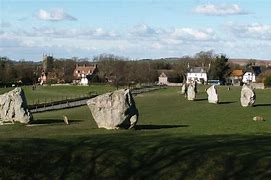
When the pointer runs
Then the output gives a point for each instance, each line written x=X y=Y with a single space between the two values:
x=174 y=139
x=56 y=93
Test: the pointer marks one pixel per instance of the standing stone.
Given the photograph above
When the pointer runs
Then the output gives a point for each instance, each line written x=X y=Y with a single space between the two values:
x=66 y=120
x=184 y=89
x=191 y=93
x=13 y=107
x=258 y=118
x=212 y=94
x=196 y=86
x=248 y=96
x=114 y=110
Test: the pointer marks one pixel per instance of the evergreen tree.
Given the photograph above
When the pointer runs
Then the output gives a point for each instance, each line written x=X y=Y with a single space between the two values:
x=219 y=68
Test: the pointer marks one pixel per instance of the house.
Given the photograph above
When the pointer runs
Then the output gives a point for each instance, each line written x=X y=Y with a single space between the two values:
x=82 y=74
x=168 y=77
x=251 y=74
x=235 y=77
x=198 y=74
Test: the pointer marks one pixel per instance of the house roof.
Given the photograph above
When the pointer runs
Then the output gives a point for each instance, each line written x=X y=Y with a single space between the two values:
x=255 y=69
x=237 y=72
x=84 y=69
x=197 y=70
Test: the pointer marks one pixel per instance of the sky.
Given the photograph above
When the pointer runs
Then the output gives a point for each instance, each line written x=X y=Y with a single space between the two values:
x=134 y=29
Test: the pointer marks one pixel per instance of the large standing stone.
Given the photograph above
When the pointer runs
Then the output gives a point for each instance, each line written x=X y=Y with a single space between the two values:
x=13 y=107
x=212 y=94
x=191 y=92
x=248 y=96
x=114 y=110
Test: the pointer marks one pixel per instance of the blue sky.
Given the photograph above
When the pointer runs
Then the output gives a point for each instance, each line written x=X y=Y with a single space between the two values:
x=134 y=28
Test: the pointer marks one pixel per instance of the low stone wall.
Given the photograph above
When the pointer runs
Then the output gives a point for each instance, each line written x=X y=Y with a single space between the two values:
x=175 y=84
x=258 y=85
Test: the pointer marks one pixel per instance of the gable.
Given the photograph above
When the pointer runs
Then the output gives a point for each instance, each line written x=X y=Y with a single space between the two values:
x=163 y=75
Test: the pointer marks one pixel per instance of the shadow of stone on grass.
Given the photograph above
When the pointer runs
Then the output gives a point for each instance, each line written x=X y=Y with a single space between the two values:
x=261 y=105
x=52 y=121
x=227 y=102
x=146 y=127
x=201 y=99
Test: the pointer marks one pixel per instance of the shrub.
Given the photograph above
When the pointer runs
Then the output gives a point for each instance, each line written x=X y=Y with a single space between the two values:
x=267 y=81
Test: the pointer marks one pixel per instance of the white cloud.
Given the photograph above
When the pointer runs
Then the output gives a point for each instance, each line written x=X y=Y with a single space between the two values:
x=8 y=41
x=143 y=30
x=220 y=10
x=144 y=41
x=5 y=24
x=54 y=15
x=75 y=33
x=255 y=31
x=190 y=34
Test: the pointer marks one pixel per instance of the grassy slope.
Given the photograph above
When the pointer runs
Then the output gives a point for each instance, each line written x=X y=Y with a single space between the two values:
x=175 y=139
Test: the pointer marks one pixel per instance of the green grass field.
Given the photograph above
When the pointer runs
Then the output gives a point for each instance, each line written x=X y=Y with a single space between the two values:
x=56 y=93
x=174 y=139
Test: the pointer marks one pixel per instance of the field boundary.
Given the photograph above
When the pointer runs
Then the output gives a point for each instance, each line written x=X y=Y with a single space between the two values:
x=71 y=103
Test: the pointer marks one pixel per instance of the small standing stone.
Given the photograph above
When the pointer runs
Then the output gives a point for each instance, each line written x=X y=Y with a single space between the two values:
x=258 y=118
x=191 y=92
x=66 y=120
x=184 y=89
x=212 y=95
x=248 y=96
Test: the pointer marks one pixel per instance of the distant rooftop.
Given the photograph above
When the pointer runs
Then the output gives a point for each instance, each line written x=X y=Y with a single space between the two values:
x=197 y=70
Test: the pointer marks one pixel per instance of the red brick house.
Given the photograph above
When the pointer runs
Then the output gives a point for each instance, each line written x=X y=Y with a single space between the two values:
x=83 y=73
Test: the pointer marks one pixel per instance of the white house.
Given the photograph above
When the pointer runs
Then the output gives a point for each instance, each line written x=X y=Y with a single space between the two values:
x=198 y=74
x=250 y=74
x=249 y=77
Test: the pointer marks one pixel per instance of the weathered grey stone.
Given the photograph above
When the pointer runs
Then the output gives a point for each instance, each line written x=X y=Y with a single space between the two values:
x=13 y=107
x=114 y=110
x=258 y=118
x=191 y=92
x=212 y=95
x=184 y=89
x=66 y=120
x=248 y=96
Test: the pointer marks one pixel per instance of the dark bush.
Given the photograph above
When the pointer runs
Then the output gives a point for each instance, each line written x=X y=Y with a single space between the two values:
x=267 y=81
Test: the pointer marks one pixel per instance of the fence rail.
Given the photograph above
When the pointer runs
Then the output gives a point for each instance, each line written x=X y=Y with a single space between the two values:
x=70 y=103
x=61 y=104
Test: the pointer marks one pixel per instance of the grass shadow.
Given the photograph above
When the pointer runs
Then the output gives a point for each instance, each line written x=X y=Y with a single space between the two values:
x=149 y=127
x=201 y=99
x=227 y=102
x=53 y=121
x=139 y=157
x=261 y=105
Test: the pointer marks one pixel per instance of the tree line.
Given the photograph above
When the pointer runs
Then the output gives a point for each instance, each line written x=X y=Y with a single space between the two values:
x=116 y=69
x=125 y=71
